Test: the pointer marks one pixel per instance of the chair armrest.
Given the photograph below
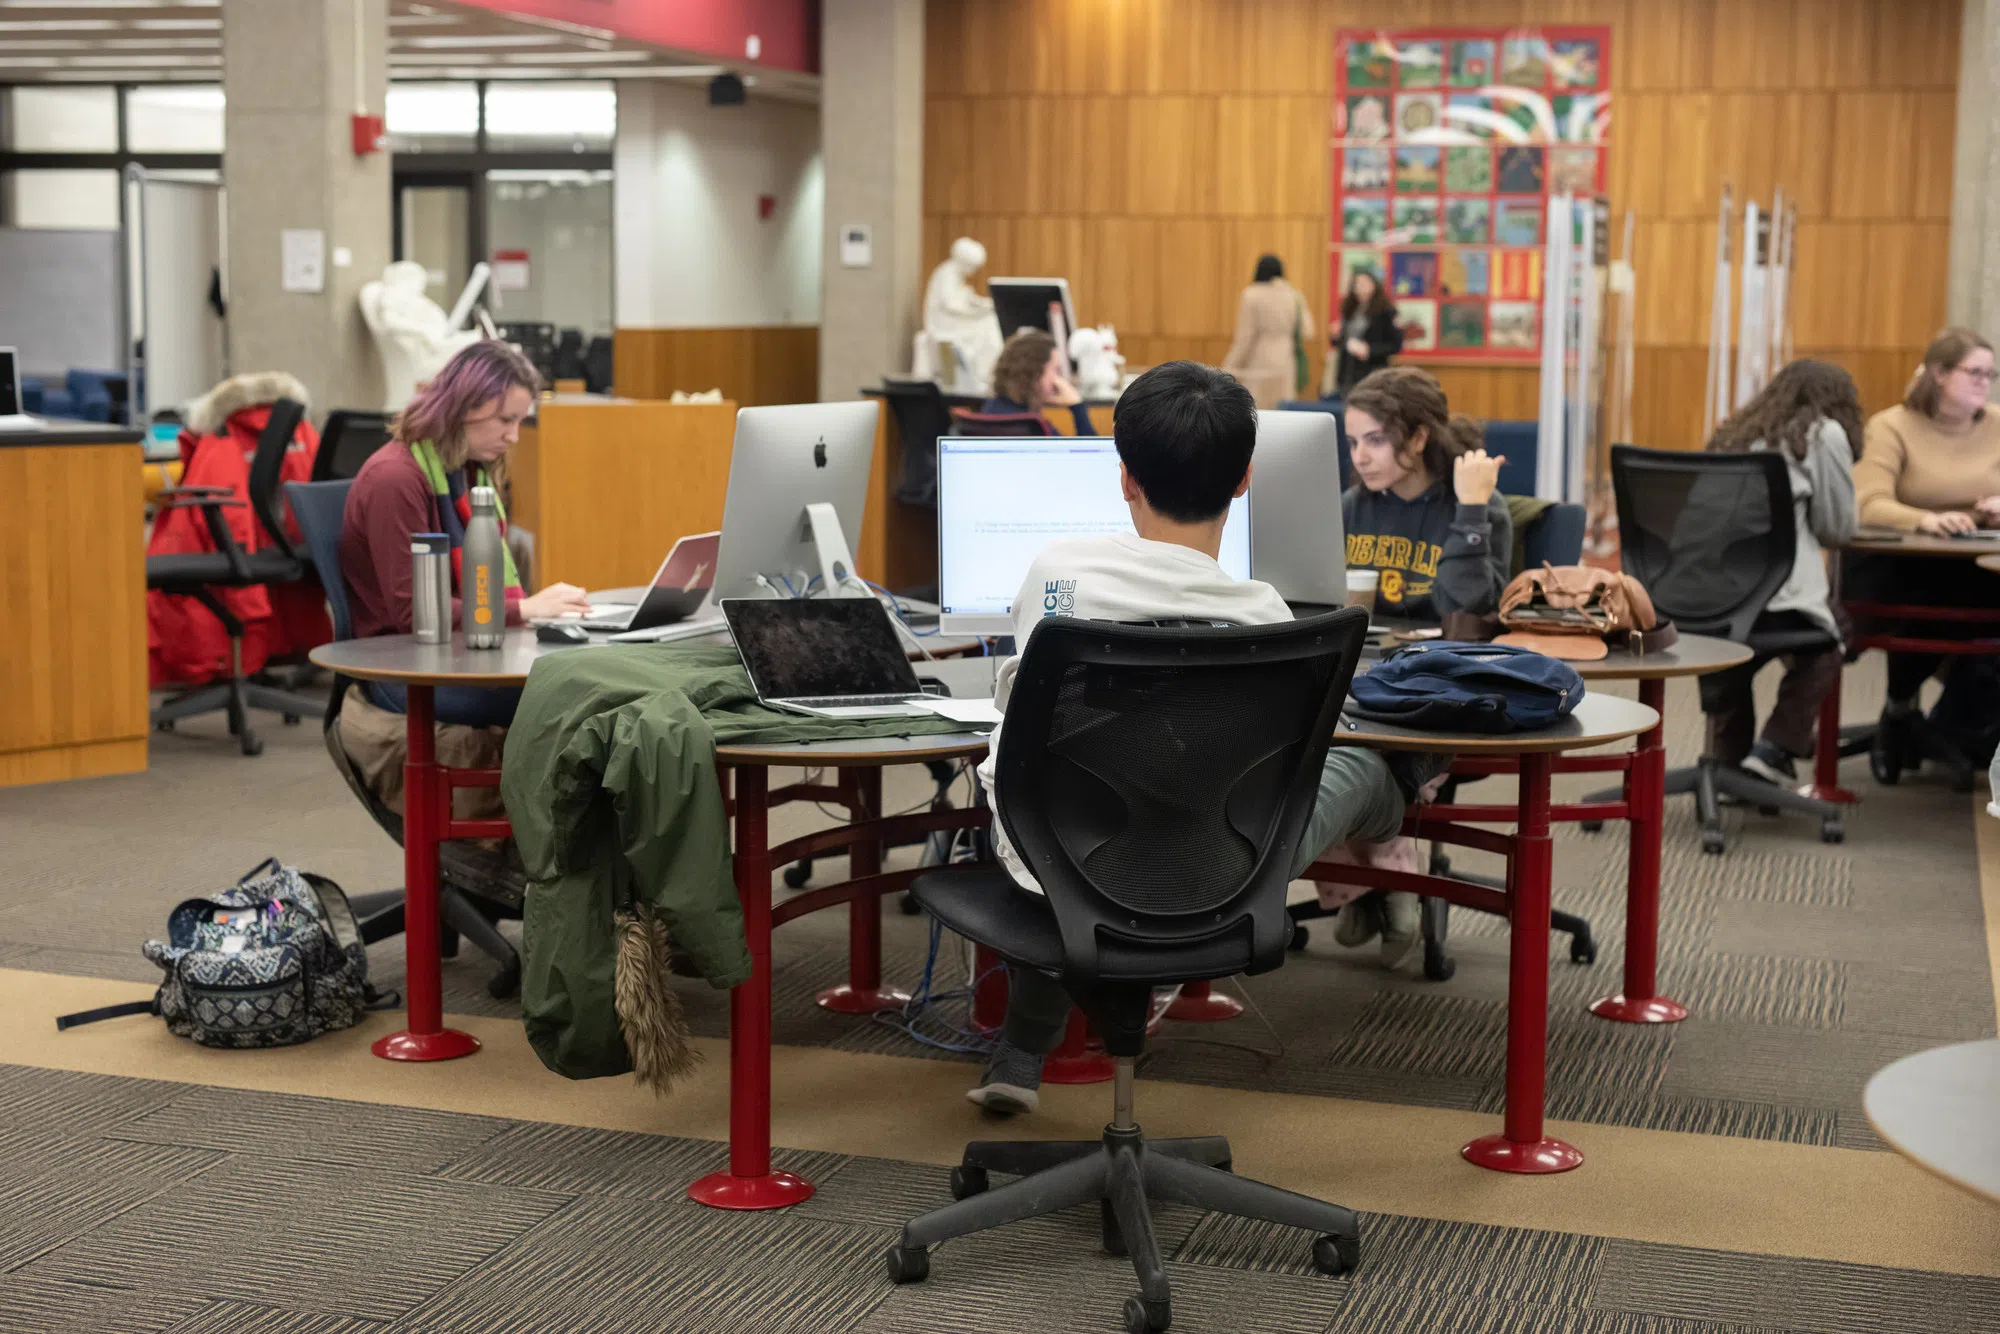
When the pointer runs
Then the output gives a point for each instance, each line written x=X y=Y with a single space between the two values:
x=211 y=507
x=198 y=491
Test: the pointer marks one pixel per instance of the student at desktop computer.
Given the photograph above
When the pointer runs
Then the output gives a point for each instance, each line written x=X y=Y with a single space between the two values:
x=1185 y=434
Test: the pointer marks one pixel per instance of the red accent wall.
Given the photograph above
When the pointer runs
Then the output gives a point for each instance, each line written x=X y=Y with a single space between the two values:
x=789 y=29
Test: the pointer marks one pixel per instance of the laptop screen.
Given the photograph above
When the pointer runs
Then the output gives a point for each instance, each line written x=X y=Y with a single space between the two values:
x=802 y=647
x=10 y=383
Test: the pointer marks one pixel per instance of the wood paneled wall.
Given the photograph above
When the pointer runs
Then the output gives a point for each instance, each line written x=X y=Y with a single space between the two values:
x=752 y=366
x=1150 y=150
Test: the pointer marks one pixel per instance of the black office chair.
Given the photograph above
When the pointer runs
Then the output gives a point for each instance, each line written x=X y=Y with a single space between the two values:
x=347 y=442
x=478 y=886
x=569 y=355
x=1158 y=781
x=1712 y=538
x=597 y=363
x=197 y=574
x=964 y=421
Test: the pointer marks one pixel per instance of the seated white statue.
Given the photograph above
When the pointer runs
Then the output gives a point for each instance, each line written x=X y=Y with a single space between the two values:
x=1100 y=371
x=412 y=332
x=955 y=314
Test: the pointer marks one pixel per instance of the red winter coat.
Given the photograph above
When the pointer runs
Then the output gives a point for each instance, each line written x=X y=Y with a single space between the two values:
x=185 y=644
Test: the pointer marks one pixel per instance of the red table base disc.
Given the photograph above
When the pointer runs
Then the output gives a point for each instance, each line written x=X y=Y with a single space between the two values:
x=844 y=999
x=1652 y=1010
x=1540 y=1158
x=778 y=1190
x=447 y=1044
x=1837 y=794
x=1093 y=1066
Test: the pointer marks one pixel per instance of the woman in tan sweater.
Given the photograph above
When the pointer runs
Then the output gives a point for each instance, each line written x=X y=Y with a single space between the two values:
x=1271 y=323
x=1932 y=465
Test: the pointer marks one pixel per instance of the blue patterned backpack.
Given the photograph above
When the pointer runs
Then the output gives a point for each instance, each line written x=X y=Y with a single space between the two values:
x=273 y=961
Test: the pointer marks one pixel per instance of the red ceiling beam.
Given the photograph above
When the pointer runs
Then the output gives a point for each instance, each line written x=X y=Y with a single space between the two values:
x=787 y=31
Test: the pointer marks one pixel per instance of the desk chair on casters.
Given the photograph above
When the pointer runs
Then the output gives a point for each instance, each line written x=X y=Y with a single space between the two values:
x=1712 y=538
x=1159 y=782
x=965 y=421
x=197 y=574
x=476 y=886
x=346 y=443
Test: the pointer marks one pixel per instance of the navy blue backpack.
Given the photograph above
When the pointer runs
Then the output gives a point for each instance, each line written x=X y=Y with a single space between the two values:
x=1443 y=686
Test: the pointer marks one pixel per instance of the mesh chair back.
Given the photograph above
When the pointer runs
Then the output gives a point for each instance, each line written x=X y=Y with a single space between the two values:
x=921 y=417
x=319 y=507
x=267 y=468
x=1158 y=781
x=1556 y=538
x=964 y=421
x=1709 y=535
x=348 y=440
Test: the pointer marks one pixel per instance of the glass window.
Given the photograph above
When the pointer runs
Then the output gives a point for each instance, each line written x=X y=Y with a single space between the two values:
x=582 y=116
x=442 y=117
x=61 y=200
x=550 y=237
x=174 y=118
x=56 y=119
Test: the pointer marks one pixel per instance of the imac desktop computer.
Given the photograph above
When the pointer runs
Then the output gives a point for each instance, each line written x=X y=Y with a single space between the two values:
x=1000 y=501
x=1296 y=542
x=798 y=479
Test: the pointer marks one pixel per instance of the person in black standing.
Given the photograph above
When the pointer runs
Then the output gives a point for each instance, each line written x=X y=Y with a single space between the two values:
x=1366 y=335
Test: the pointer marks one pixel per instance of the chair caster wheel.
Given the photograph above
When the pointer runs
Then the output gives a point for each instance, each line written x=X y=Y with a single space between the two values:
x=908 y=903
x=164 y=725
x=291 y=719
x=1582 y=951
x=908 y=1264
x=1144 y=1317
x=252 y=745
x=967 y=1182
x=1336 y=1255
x=505 y=983
x=1713 y=843
x=1832 y=831
x=1300 y=937
x=797 y=874
x=1593 y=826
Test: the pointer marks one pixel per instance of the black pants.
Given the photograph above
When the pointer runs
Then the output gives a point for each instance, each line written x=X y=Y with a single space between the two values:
x=1037 y=1011
x=1729 y=701
x=1970 y=698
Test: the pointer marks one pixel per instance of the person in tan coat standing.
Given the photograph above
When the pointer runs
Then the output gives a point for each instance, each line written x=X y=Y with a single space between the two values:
x=1271 y=325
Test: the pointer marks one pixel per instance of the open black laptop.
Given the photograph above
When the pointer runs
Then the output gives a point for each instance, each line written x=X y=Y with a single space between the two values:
x=832 y=657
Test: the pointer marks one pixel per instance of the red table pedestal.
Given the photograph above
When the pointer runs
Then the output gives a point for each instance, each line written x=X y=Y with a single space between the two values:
x=1645 y=803
x=863 y=992
x=1199 y=1003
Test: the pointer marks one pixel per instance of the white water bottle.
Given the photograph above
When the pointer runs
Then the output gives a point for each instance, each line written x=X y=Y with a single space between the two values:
x=483 y=574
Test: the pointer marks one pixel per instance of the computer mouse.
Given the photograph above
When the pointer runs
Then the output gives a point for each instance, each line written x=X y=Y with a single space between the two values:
x=558 y=632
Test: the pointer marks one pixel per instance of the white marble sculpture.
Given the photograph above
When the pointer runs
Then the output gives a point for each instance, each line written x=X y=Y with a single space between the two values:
x=412 y=332
x=1100 y=371
x=957 y=316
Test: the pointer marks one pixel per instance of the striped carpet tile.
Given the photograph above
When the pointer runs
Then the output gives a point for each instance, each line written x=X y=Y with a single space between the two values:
x=577 y=1160
x=1453 y=1035
x=1567 y=1101
x=66 y=1103
x=623 y=1266
x=56 y=1190
x=1376 y=1310
x=358 y=1242
x=1816 y=1295
x=34 y=1305
x=1796 y=992
x=322 y=1129
x=242 y=1318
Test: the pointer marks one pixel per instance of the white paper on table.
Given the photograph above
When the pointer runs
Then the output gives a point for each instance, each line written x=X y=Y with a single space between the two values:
x=961 y=710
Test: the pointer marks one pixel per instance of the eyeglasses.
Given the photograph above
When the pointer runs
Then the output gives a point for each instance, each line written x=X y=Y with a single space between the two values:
x=1986 y=376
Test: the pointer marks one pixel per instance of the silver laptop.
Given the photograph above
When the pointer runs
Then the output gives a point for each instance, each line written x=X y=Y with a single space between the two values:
x=678 y=589
x=832 y=657
x=11 y=416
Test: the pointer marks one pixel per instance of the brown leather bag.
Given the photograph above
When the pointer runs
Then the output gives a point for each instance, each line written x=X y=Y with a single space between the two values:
x=1581 y=612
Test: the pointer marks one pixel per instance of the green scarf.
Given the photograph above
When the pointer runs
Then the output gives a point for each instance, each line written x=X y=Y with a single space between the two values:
x=456 y=508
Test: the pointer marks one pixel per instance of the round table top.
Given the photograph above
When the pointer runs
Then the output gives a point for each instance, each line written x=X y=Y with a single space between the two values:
x=859 y=752
x=1990 y=563
x=1594 y=722
x=401 y=660
x=1889 y=542
x=1941 y=1109
x=1690 y=655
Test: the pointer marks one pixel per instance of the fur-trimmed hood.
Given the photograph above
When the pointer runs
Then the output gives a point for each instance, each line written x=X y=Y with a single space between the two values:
x=206 y=415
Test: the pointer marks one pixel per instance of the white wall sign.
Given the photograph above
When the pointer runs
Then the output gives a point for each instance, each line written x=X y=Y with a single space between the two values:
x=304 y=262
x=857 y=245
x=510 y=270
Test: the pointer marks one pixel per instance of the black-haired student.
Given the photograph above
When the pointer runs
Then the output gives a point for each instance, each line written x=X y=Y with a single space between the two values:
x=1185 y=433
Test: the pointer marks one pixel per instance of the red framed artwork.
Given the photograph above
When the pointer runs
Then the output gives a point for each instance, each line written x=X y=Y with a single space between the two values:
x=1447 y=144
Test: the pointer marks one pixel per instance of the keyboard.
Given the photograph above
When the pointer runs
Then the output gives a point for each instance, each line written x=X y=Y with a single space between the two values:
x=851 y=701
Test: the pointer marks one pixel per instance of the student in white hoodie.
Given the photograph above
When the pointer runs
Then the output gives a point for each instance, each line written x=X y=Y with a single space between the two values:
x=1185 y=433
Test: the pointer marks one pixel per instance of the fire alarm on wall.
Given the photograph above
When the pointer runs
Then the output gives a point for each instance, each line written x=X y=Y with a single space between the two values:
x=767 y=207
x=369 y=134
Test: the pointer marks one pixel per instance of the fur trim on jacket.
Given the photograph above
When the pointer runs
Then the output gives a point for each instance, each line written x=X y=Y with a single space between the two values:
x=206 y=415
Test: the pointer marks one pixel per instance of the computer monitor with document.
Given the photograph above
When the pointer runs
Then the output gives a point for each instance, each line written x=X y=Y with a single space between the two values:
x=11 y=412
x=1000 y=501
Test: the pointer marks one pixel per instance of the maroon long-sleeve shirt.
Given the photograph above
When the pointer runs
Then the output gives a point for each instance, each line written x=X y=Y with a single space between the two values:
x=390 y=500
